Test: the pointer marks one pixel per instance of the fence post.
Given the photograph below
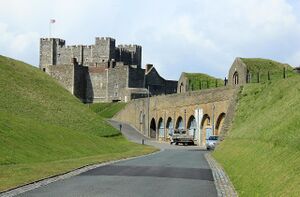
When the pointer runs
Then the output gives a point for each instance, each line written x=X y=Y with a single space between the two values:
x=284 y=72
x=207 y=84
x=216 y=83
x=269 y=78
x=258 y=77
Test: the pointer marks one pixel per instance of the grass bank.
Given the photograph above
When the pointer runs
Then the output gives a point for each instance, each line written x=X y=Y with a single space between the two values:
x=44 y=130
x=200 y=81
x=107 y=110
x=261 y=153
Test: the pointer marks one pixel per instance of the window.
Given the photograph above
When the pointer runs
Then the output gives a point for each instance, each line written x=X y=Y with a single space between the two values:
x=116 y=94
x=236 y=78
x=44 y=69
x=116 y=85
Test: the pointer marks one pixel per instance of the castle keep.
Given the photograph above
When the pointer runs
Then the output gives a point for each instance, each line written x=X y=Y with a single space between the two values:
x=102 y=72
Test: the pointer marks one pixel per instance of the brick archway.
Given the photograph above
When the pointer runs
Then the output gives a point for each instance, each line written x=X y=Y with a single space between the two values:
x=170 y=126
x=219 y=123
x=192 y=125
x=161 y=128
x=153 y=128
x=179 y=123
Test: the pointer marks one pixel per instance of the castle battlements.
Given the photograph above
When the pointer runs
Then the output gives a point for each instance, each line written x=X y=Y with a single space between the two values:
x=105 y=38
x=53 y=51
x=101 y=71
x=129 y=46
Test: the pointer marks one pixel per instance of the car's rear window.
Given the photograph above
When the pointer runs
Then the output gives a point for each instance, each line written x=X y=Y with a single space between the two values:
x=213 y=138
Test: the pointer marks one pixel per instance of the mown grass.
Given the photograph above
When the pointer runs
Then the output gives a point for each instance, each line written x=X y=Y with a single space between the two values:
x=44 y=130
x=107 y=110
x=198 y=81
x=265 y=69
x=261 y=154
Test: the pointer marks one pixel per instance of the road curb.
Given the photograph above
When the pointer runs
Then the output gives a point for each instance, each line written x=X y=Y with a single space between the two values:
x=222 y=182
x=45 y=181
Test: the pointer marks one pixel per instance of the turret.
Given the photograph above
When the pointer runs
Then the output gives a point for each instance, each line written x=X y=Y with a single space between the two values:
x=104 y=49
x=48 y=51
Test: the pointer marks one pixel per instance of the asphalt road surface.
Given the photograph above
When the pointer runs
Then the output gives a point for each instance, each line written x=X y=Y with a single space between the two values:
x=175 y=171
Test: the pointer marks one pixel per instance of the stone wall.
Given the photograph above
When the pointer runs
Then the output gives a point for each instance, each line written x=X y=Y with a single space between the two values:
x=103 y=50
x=212 y=102
x=136 y=78
x=96 y=89
x=80 y=82
x=129 y=54
x=117 y=82
x=64 y=74
x=109 y=70
x=240 y=68
x=182 y=83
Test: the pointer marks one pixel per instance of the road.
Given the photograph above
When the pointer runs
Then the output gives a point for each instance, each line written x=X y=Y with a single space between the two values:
x=174 y=171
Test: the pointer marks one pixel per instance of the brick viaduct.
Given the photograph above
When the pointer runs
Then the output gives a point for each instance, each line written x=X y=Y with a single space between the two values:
x=202 y=113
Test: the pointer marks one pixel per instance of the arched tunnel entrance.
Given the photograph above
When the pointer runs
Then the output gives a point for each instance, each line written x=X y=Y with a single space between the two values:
x=161 y=129
x=152 y=128
x=219 y=123
x=179 y=123
x=192 y=126
x=206 y=127
x=170 y=127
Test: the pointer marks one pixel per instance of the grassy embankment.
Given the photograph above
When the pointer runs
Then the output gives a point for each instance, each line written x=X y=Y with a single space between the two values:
x=261 y=68
x=198 y=81
x=44 y=130
x=107 y=110
x=261 y=153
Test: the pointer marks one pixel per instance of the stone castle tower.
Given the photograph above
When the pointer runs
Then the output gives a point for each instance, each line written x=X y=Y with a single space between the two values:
x=101 y=72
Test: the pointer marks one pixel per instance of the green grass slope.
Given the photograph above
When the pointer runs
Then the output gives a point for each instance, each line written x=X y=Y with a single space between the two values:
x=199 y=81
x=261 y=153
x=107 y=110
x=44 y=130
x=263 y=66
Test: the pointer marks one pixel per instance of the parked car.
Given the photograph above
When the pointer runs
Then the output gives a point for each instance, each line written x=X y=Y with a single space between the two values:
x=211 y=142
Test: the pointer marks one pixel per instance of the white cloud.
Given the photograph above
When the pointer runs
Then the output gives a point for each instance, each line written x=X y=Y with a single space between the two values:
x=191 y=35
x=17 y=45
x=21 y=42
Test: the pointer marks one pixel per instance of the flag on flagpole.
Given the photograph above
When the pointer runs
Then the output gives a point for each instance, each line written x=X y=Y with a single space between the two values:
x=52 y=20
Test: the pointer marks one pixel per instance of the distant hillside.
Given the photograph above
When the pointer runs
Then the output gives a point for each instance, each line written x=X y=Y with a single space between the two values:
x=199 y=81
x=44 y=130
x=263 y=66
x=261 y=153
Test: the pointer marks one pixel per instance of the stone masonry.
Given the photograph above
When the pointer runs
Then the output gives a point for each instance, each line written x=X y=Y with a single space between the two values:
x=157 y=116
x=101 y=72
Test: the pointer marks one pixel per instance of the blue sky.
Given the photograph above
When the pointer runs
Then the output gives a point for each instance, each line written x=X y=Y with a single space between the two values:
x=177 y=36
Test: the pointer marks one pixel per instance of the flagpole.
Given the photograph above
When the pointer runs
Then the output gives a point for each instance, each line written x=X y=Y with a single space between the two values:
x=51 y=21
x=50 y=29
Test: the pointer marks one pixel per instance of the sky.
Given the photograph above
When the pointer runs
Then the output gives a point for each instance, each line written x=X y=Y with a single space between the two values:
x=177 y=36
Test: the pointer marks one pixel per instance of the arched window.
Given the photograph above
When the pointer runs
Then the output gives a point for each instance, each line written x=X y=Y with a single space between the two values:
x=181 y=88
x=235 y=78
